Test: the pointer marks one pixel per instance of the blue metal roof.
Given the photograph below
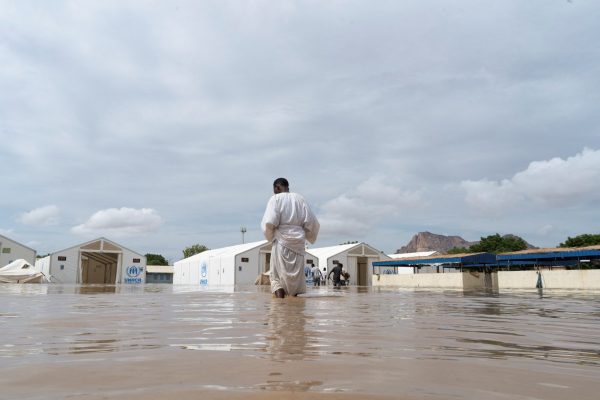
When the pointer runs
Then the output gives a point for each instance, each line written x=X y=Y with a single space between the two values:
x=550 y=254
x=533 y=258
x=479 y=259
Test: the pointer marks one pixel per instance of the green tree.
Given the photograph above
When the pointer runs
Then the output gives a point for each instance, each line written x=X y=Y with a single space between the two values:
x=194 y=249
x=350 y=242
x=156 y=259
x=581 y=241
x=498 y=244
x=459 y=250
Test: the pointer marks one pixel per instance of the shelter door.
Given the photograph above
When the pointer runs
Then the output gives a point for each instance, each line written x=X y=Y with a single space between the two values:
x=362 y=266
x=98 y=268
x=267 y=267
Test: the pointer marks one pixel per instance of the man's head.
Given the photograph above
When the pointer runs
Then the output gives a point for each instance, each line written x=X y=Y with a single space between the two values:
x=281 y=185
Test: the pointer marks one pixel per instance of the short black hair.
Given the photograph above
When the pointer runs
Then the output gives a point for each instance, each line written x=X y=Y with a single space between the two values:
x=281 y=182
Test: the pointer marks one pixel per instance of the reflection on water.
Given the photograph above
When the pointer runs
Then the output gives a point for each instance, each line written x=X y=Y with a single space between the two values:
x=49 y=323
x=287 y=337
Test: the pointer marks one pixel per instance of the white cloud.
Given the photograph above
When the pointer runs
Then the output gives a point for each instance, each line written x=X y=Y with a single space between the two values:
x=6 y=232
x=354 y=214
x=552 y=183
x=121 y=222
x=546 y=229
x=46 y=215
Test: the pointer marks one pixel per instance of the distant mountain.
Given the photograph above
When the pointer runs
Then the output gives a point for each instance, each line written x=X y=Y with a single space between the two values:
x=427 y=241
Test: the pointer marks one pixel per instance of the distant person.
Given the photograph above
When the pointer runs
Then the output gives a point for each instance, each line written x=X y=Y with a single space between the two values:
x=316 y=275
x=337 y=273
x=288 y=222
x=308 y=273
x=323 y=277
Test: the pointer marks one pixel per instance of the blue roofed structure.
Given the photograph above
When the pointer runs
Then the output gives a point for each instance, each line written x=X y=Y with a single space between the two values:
x=562 y=256
x=454 y=261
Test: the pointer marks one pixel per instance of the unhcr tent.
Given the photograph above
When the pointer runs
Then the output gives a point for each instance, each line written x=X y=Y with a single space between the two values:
x=11 y=250
x=357 y=260
x=20 y=271
x=233 y=265
x=99 y=261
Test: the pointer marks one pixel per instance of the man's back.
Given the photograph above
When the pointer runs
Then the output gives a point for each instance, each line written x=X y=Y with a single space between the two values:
x=291 y=207
x=289 y=220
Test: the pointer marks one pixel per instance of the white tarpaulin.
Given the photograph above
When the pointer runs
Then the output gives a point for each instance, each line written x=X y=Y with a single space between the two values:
x=20 y=271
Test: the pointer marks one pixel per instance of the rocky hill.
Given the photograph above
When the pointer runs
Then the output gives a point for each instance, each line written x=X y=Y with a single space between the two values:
x=427 y=241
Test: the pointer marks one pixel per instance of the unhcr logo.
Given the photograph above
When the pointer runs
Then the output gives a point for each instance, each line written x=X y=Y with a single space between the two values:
x=134 y=271
x=133 y=274
x=203 y=273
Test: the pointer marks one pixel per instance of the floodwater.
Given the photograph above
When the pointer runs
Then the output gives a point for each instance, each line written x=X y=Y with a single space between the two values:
x=163 y=341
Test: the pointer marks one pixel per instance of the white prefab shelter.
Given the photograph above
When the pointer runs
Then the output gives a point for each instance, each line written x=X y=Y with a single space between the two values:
x=407 y=270
x=99 y=261
x=11 y=250
x=357 y=260
x=234 y=265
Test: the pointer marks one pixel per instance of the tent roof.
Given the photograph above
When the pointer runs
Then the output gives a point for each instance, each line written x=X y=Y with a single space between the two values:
x=230 y=250
x=397 y=256
x=20 y=271
x=14 y=241
x=560 y=252
x=328 y=252
x=96 y=240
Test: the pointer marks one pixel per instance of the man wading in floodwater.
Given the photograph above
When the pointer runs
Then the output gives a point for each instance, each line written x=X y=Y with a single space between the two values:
x=288 y=222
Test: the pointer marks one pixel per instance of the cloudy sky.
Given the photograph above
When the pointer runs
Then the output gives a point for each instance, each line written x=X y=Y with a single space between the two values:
x=160 y=124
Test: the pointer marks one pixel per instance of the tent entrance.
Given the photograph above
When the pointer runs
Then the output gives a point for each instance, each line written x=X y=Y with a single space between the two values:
x=362 y=264
x=99 y=267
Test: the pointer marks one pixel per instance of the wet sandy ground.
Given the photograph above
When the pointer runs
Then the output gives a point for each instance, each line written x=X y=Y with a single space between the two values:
x=157 y=342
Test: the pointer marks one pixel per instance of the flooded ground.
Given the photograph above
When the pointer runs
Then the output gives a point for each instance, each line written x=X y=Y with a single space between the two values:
x=161 y=341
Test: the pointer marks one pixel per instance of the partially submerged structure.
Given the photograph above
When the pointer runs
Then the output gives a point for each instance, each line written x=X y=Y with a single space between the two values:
x=357 y=259
x=399 y=256
x=11 y=250
x=159 y=273
x=560 y=268
x=20 y=271
x=233 y=265
x=98 y=261
x=436 y=263
x=562 y=257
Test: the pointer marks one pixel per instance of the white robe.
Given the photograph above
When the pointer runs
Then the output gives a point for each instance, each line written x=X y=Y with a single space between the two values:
x=289 y=223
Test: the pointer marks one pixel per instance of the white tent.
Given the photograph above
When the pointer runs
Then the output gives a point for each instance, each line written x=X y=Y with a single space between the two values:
x=357 y=259
x=98 y=261
x=20 y=271
x=233 y=265
x=11 y=250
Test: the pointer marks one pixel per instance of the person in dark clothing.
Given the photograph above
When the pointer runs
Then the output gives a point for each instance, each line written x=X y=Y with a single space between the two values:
x=337 y=272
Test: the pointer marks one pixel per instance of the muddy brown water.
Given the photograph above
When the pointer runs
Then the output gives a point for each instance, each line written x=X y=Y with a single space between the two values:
x=163 y=341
